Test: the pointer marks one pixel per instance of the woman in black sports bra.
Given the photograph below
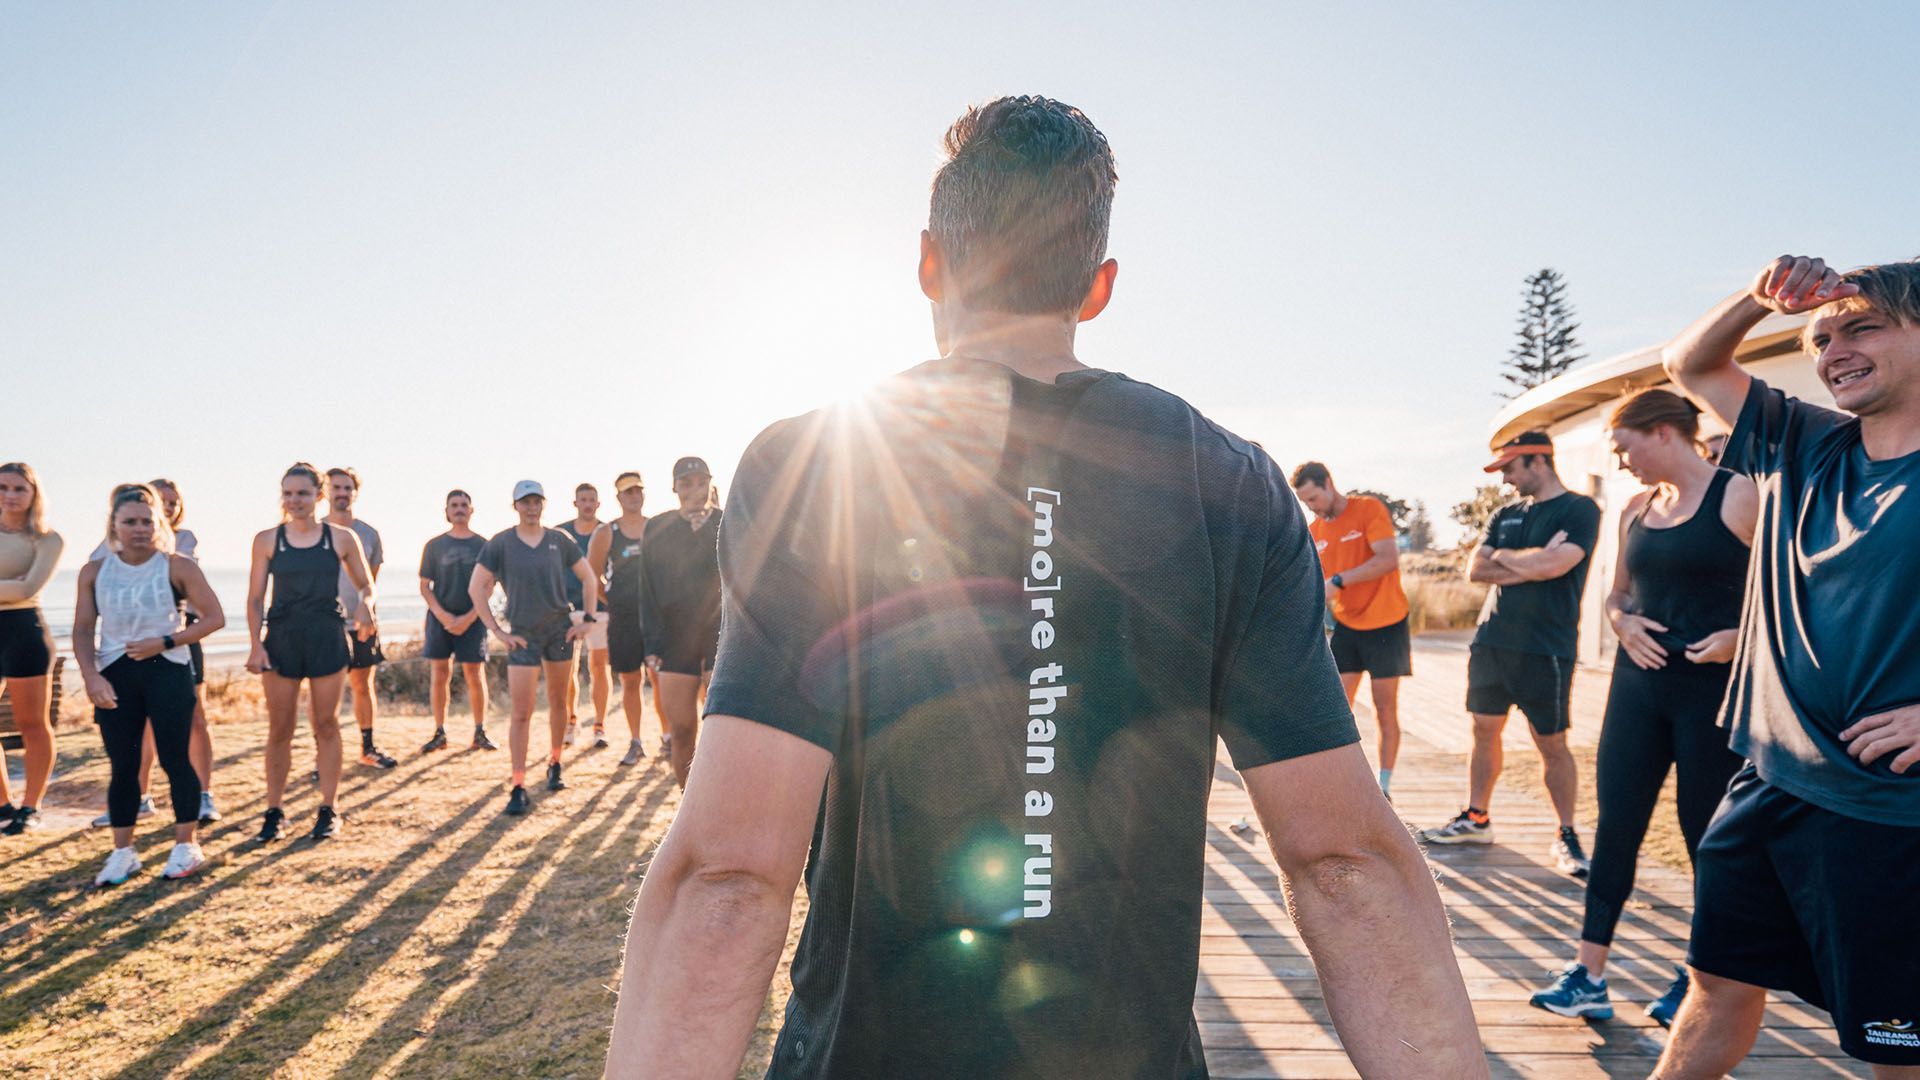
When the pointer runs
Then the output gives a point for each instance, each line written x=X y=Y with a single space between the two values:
x=614 y=554
x=1675 y=606
x=303 y=636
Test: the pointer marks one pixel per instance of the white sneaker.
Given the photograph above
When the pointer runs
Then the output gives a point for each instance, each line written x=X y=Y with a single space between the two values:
x=208 y=812
x=567 y=739
x=146 y=810
x=122 y=864
x=186 y=858
x=103 y=821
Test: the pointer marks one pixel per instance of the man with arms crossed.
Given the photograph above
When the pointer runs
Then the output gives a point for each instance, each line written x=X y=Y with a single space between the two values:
x=532 y=562
x=454 y=632
x=1000 y=609
x=1360 y=557
x=593 y=657
x=1808 y=873
x=1535 y=555
x=343 y=490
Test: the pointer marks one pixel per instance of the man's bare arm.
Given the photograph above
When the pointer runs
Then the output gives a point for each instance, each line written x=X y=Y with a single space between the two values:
x=1540 y=564
x=713 y=911
x=1483 y=568
x=1700 y=360
x=1384 y=560
x=1354 y=881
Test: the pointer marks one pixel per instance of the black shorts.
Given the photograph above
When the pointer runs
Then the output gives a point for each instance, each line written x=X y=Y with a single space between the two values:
x=196 y=656
x=1790 y=896
x=469 y=647
x=1385 y=653
x=546 y=642
x=688 y=649
x=626 y=642
x=366 y=653
x=1542 y=686
x=26 y=649
x=306 y=648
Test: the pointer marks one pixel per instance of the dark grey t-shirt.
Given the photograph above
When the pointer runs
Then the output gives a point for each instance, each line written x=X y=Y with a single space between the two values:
x=1831 y=632
x=376 y=554
x=1540 y=617
x=1019 y=614
x=535 y=578
x=448 y=563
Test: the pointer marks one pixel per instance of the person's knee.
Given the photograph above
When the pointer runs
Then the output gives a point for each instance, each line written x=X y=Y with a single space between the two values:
x=1553 y=748
x=1487 y=727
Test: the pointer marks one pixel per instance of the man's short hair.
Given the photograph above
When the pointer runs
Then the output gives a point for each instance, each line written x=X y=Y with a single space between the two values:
x=341 y=470
x=583 y=486
x=1021 y=207
x=1313 y=473
x=1892 y=289
x=457 y=493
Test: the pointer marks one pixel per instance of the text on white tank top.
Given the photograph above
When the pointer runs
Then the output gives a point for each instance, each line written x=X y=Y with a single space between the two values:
x=135 y=602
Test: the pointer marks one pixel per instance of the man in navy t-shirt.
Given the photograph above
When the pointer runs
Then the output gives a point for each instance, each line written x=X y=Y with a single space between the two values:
x=981 y=630
x=1808 y=874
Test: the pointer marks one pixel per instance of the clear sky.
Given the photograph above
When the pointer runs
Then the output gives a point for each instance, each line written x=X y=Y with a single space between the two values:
x=455 y=245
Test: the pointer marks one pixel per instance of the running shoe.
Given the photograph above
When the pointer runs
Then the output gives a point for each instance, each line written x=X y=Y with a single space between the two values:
x=326 y=825
x=666 y=745
x=1461 y=830
x=438 y=742
x=270 y=825
x=1667 y=1006
x=567 y=739
x=146 y=811
x=554 y=783
x=186 y=858
x=518 y=803
x=634 y=753
x=24 y=818
x=480 y=740
x=1568 y=858
x=208 y=812
x=1575 y=993
x=122 y=864
x=373 y=758
x=599 y=736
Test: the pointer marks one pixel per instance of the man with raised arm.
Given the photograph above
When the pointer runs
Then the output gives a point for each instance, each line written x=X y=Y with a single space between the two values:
x=1807 y=875
x=982 y=629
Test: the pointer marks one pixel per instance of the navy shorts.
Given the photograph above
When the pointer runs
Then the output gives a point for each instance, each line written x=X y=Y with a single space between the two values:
x=469 y=647
x=1541 y=686
x=546 y=642
x=1384 y=653
x=1794 y=897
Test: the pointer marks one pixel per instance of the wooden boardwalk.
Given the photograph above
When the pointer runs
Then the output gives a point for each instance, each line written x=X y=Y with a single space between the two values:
x=1515 y=922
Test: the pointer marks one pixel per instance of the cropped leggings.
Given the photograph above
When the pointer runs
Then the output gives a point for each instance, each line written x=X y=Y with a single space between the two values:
x=1656 y=720
x=153 y=691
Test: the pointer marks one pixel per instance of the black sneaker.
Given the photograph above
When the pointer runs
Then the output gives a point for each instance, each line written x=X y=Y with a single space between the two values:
x=270 y=825
x=518 y=803
x=374 y=759
x=480 y=740
x=326 y=825
x=599 y=737
x=1568 y=858
x=438 y=742
x=23 y=819
x=554 y=783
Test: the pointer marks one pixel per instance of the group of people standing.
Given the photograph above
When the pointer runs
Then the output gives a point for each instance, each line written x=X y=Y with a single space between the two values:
x=642 y=594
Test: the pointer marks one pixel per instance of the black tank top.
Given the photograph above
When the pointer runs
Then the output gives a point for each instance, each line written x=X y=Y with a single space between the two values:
x=623 y=571
x=306 y=580
x=1690 y=577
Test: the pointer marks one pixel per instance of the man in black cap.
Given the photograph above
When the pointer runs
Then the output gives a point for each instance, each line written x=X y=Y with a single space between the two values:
x=1535 y=555
x=680 y=607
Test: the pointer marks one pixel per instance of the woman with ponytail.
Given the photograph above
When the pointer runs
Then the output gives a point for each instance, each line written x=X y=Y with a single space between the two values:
x=29 y=552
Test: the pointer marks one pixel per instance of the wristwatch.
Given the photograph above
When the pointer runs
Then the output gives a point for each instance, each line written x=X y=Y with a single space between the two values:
x=1337 y=582
x=587 y=617
x=167 y=639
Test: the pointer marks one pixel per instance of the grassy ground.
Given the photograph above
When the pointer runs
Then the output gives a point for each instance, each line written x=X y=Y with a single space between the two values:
x=435 y=938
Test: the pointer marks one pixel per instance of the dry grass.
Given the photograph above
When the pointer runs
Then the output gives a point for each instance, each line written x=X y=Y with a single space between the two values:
x=436 y=938
x=1439 y=596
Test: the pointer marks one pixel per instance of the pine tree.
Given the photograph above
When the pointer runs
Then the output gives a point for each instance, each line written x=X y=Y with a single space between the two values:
x=1419 y=528
x=1546 y=345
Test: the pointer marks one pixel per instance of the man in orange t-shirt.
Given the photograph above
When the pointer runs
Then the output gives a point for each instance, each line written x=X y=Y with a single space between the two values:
x=1360 y=559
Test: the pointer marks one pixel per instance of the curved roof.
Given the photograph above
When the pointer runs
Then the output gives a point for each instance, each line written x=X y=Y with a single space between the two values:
x=1588 y=385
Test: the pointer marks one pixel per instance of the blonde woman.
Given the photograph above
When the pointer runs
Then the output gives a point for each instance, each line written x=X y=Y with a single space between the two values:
x=29 y=552
x=138 y=673
x=302 y=637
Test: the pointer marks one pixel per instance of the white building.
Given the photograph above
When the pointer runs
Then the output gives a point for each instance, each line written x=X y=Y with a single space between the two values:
x=1573 y=409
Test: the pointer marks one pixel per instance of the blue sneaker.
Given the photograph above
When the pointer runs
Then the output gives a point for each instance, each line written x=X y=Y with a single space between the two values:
x=1667 y=1006
x=1575 y=993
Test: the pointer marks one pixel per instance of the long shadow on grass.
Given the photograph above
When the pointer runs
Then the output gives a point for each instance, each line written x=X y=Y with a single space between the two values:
x=406 y=1018
x=311 y=1003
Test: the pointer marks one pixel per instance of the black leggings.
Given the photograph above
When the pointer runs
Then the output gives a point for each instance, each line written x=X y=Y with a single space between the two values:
x=1655 y=720
x=153 y=691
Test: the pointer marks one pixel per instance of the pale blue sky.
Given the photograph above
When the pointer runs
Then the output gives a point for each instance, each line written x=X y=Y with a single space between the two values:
x=453 y=245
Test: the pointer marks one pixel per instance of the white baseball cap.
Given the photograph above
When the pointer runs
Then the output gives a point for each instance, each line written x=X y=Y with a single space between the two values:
x=528 y=487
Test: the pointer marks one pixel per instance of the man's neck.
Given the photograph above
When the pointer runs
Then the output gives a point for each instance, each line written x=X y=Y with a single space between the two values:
x=530 y=530
x=635 y=518
x=1890 y=435
x=1038 y=347
x=460 y=532
x=585 y=524
x=1551 y=489
x=340 y=517
x=1337 y=507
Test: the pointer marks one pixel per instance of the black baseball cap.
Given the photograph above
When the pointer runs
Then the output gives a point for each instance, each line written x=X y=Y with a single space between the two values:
x=690 y=466
x=1527 y=442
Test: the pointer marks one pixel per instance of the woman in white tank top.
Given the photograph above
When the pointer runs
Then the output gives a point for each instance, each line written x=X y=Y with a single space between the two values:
x=137 y=672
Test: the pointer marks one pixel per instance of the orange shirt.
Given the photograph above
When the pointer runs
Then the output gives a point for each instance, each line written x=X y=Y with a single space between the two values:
x=1345 y=542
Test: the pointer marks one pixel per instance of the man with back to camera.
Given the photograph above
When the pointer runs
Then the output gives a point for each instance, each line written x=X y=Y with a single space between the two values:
x=454 y=633
x=1000 y=609
x=1810 y=867
x=343 y=490
x=1360 y=557
x=531 y=563
x=1535 y=555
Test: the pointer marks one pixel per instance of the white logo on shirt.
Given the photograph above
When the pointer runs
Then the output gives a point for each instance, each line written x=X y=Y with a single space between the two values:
x=1354 y=535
